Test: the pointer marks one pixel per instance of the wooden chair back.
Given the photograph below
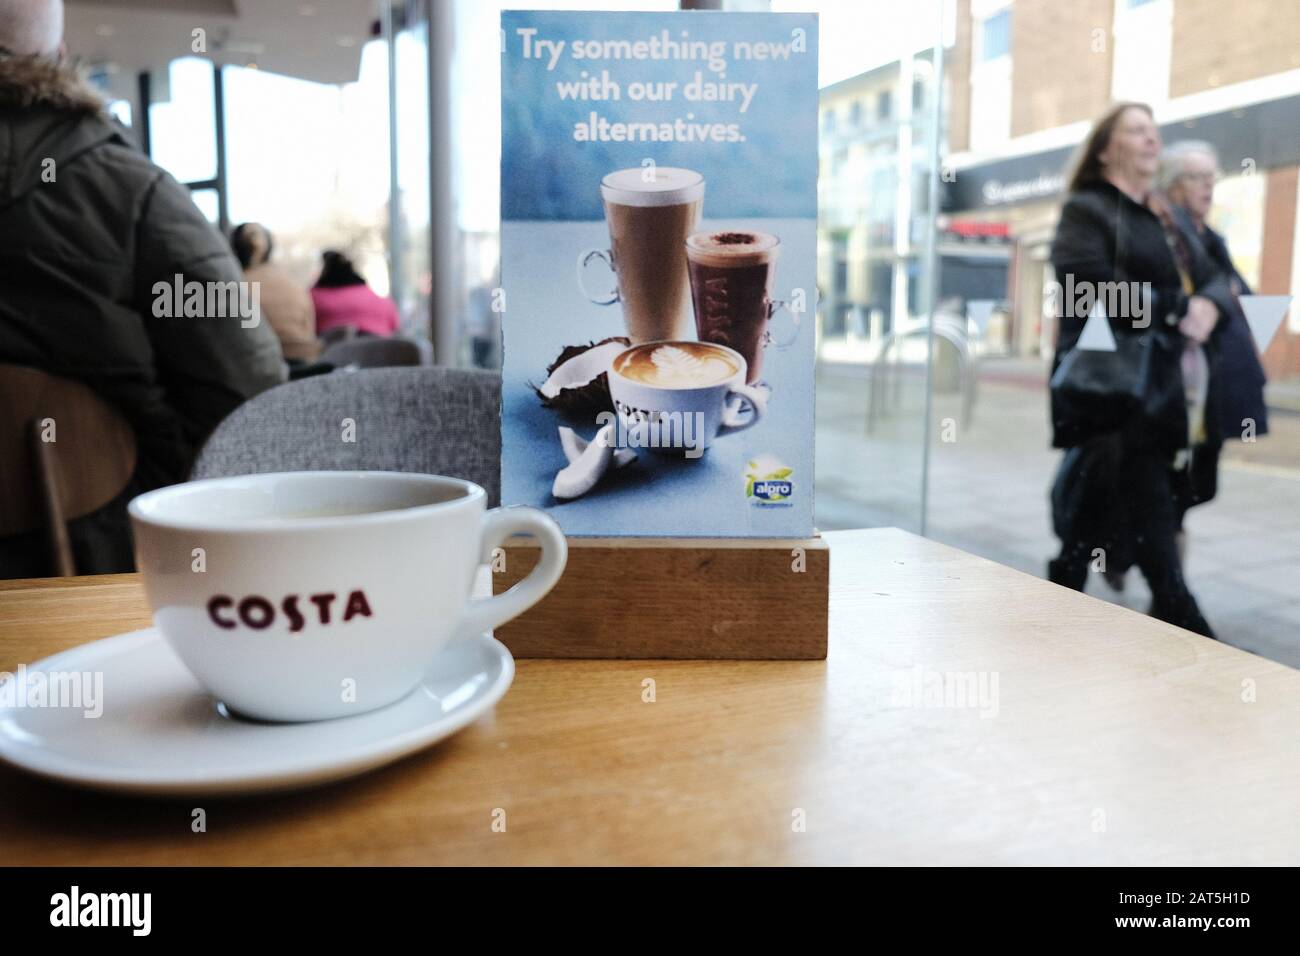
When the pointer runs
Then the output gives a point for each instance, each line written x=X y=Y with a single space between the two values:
x=64 y=453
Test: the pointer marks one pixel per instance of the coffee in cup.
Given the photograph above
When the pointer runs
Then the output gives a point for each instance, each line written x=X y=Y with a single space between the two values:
x=311 y=595
x=731 y=275
x=678 y=396
x=677 y=365
x=649 y=211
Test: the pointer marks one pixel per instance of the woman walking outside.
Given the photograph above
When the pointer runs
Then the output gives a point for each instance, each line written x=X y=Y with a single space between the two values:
x=1123 y=414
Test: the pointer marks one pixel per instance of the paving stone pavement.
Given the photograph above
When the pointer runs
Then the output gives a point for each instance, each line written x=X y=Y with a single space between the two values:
x=988 y=495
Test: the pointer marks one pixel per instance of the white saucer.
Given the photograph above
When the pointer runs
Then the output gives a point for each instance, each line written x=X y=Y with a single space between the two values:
x=161 y=733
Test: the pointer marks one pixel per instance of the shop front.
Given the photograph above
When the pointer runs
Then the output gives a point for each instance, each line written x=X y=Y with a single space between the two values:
x=1020 y=197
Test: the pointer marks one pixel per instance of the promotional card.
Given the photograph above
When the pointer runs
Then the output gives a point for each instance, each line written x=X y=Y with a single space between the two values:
x=658 y=270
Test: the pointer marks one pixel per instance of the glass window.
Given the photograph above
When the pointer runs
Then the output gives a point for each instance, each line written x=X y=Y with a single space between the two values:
x=120 y=110
x=414 y=233
x=995 y=35
x=859 y=268
x=182 y=126
x=206 y=200
x=100 y=76
x=310 y=162
x=475 y=135
x=1142 y=52
x=874 y=344
x=1238 y=214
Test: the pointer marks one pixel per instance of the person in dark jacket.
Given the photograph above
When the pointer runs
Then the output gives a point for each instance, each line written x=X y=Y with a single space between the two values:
x=91 y=232
x=1114 y=244
x=1188 y=171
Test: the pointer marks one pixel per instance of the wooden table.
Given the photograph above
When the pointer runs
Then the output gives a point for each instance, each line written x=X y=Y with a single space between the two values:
x=1112 y=738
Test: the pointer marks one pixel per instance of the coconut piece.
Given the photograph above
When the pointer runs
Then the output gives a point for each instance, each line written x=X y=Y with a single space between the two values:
x=574 y=445
x=577 y=382
x=588 y=468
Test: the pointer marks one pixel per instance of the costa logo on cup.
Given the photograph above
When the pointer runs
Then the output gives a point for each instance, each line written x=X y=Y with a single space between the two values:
x=258 y=613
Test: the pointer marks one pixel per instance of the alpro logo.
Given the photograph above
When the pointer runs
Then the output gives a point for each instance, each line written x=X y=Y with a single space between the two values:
x=767 y=482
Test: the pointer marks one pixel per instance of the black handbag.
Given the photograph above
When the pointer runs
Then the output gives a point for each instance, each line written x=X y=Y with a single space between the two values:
x=1142 y=377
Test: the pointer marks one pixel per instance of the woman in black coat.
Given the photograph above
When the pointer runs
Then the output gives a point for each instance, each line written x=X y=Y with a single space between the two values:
x=1117 y=242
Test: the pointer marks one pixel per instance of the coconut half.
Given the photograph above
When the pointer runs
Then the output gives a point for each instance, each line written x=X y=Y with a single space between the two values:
x=582 y=473
x=574 y=445
x=578 y=383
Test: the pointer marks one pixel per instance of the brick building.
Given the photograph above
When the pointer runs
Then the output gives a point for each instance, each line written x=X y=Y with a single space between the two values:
x=1027 y=77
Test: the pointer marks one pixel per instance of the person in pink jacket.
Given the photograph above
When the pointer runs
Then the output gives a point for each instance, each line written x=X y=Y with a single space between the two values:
x=342 y=298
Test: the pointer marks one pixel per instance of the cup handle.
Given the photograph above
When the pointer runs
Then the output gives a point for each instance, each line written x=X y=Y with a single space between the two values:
x=485 y=614
x=609 y=298
x=773 y=307
x=736 y=399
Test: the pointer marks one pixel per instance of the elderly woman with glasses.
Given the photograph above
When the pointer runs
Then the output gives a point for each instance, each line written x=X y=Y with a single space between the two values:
x=1189 y=170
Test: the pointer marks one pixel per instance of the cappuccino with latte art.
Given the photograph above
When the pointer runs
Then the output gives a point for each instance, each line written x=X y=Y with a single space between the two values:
x=679 y=396
x=677 y=364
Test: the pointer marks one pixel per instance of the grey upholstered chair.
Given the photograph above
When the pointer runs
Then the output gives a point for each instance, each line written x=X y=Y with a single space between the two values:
x=337 y=334
x=367 y=351
x=435 y=420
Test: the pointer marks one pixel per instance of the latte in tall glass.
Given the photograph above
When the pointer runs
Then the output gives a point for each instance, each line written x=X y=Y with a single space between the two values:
x=649 y=211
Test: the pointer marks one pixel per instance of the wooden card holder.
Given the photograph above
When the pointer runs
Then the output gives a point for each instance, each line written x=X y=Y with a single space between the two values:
x=674 y=598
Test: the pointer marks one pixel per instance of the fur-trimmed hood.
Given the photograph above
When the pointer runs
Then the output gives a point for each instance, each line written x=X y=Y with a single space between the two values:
x=48 y=118
x=27 y=81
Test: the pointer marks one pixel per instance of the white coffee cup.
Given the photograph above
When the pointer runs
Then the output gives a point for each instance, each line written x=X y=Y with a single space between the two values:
x=679 y=396
x=310 y=595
